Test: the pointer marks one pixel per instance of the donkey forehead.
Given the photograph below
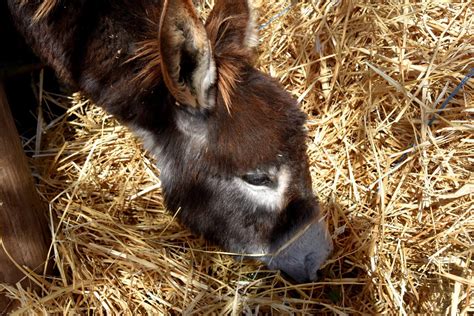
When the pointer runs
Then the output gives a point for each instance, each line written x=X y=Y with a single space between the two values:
x=262 y=128
x=262 y=125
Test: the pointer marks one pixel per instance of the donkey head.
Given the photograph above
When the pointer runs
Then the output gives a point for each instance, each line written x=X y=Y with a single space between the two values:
x=232 y=155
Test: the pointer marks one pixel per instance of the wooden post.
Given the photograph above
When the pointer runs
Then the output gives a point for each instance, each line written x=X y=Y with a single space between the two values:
x=24 y=229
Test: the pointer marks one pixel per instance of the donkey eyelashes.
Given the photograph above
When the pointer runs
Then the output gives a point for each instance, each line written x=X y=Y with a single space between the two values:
x=266 y=177
x=258 y=179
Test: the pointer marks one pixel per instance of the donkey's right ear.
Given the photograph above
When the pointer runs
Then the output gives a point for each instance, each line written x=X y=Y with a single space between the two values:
x=232 y=28
x=187 y=63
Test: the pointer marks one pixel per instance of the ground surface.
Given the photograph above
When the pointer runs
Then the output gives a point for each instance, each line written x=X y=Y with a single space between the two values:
x=397 y=190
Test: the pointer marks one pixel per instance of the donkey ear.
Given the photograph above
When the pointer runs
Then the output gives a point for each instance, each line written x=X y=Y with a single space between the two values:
x=187 y=63
x=232 y=28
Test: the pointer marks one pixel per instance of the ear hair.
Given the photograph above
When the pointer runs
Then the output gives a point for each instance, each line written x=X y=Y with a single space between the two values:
x=231 y=27
x=233 y=24
x=188 y=65
x=44 y=8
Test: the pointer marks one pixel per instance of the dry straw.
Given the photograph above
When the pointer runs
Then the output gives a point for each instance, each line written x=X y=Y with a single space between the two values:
x=370 y=76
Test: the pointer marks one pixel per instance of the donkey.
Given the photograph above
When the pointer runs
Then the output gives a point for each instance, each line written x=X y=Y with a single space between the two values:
x=229 y=141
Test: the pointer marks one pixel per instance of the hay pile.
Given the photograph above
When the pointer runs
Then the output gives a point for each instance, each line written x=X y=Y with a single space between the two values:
x=370 y=77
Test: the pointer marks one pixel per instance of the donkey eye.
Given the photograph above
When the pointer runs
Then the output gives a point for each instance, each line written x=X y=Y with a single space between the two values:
x=259 y=179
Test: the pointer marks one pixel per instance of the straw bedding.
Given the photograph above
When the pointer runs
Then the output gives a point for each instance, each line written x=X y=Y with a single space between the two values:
x=397 y=192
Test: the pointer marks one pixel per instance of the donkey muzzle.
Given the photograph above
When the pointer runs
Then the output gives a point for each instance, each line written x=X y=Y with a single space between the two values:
x=302 y=256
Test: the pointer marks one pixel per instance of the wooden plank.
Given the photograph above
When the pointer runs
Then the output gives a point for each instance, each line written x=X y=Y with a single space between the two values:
x=24 y=230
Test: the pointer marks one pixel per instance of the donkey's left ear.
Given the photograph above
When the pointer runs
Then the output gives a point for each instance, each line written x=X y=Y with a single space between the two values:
x=232 y=28
x=187 y=62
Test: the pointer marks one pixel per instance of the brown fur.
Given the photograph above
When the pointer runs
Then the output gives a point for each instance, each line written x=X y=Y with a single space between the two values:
x=139 y=59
